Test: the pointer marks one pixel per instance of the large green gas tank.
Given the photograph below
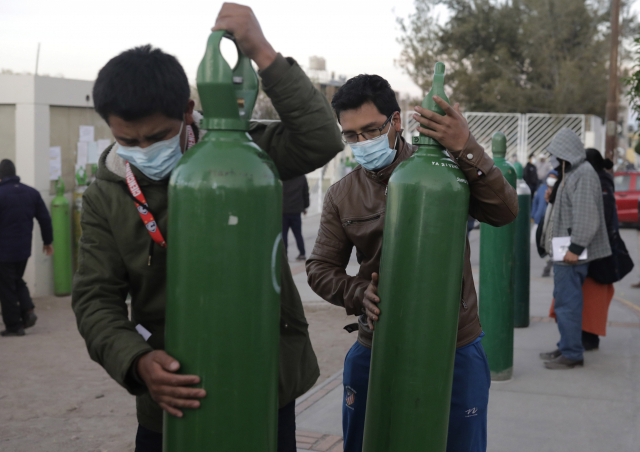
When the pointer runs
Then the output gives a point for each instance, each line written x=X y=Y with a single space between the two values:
x=522 y=252
x=420 y=286
x=61 y=221
x=496 y=279
x=223 y=272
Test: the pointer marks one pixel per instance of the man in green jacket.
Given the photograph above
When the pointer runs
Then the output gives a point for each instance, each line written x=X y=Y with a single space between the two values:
x=143 y=95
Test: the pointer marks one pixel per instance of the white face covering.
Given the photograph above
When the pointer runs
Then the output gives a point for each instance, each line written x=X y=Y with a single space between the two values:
x=157 y=160
x=551 y=181
x=375 y=154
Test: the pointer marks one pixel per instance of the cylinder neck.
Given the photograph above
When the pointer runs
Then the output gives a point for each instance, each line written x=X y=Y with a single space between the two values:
x=227 y=94
x=437 y=89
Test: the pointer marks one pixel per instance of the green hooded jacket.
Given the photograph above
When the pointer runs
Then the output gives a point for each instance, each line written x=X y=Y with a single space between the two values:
x=113 y=258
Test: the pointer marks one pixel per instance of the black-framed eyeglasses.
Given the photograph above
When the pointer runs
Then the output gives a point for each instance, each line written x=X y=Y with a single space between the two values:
x=352 y=137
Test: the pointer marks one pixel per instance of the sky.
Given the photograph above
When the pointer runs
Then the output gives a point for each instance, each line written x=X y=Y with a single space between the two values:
x=78 y=37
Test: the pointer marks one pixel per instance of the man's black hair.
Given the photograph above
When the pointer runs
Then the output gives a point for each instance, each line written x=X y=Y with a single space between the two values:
x=362 y=89
x=7 y=169
x=140 y=82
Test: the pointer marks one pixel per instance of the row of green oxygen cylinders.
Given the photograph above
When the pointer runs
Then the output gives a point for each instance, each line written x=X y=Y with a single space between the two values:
x=67 y=231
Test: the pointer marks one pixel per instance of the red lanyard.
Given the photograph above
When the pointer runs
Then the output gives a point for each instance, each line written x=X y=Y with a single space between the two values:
x=191 y=137
x=143 y=208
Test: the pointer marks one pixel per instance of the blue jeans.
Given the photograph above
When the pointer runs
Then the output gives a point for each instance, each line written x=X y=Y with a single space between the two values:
x=567 y=291
x=469 y=398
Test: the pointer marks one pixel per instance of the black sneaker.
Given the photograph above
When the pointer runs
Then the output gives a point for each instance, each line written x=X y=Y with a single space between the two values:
x=562 y=362
x=29 y=319
x=302 y=257
x=590 y=341
x=18 y=332
x=550 y=355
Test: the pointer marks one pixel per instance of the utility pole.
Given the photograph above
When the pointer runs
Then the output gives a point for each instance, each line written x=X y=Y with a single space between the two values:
x=611 y=141
x=37 y=58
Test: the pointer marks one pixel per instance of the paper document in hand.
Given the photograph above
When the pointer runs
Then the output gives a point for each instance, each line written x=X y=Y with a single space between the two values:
x=561 y=246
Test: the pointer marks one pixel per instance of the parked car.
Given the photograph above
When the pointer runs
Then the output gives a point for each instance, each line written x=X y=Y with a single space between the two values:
x=627 y=196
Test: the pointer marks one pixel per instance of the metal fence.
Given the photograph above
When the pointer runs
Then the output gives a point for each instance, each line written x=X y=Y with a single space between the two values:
x=528 y=133
x=540 y=129
x=484 y=125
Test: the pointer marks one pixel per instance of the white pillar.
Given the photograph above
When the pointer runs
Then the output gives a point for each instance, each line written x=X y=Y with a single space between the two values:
x=523 y=151
x=32 y=165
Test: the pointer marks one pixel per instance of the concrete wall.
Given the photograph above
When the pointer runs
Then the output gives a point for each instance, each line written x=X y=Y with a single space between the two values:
x=64 y=130
x=32 y=97
x=8 y=132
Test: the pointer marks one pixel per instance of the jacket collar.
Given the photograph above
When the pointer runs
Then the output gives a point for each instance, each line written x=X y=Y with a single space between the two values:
x=9 y=179
x=405 y=150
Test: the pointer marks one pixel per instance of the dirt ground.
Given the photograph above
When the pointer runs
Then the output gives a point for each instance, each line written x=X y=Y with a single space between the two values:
x=54 y=398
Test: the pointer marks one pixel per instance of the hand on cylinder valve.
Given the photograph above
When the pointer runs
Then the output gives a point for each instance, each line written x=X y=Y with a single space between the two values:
x=240 y=21
x=451 y=130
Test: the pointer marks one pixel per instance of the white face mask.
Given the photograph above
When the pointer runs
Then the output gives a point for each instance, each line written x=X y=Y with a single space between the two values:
x=551 y=181
x=157 y=160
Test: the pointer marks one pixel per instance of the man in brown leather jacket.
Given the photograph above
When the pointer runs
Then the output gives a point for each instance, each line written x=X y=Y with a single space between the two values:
x=353 y=215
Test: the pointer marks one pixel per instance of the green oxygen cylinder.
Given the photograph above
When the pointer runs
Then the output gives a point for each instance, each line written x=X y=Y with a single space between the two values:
x=420 y=291
x=223 y=270
x=496 y=279
x=61 y=221
x=78 y=193
x=522 y=252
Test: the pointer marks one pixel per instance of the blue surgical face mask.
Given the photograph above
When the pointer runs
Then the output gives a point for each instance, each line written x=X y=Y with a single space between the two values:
x=155 y=161
x=374 y=154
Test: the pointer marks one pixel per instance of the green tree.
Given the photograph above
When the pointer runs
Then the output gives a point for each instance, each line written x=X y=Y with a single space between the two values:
x=633 y=83
x=527 y=56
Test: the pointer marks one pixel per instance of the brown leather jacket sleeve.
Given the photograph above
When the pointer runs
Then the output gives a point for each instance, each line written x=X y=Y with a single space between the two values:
x=493 y=200
x=326 y=266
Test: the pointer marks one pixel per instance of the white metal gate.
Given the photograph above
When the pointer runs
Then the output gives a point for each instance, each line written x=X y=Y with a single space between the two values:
x=539 y=130
x=526 y=134
x=484 y=125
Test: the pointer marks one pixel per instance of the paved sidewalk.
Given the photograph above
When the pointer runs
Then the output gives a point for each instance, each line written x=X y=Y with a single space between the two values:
x=595 y=408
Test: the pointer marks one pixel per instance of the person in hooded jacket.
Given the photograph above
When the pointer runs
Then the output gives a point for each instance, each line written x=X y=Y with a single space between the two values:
x=576 y=210
x=597 y=297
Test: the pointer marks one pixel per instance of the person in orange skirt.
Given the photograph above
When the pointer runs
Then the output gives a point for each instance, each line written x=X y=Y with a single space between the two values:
x=595 y=311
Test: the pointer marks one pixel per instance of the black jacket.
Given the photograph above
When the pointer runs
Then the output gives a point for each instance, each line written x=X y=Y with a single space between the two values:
x=530 y=176
x=609 y=201
x=295 y=195
x=19 y=204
